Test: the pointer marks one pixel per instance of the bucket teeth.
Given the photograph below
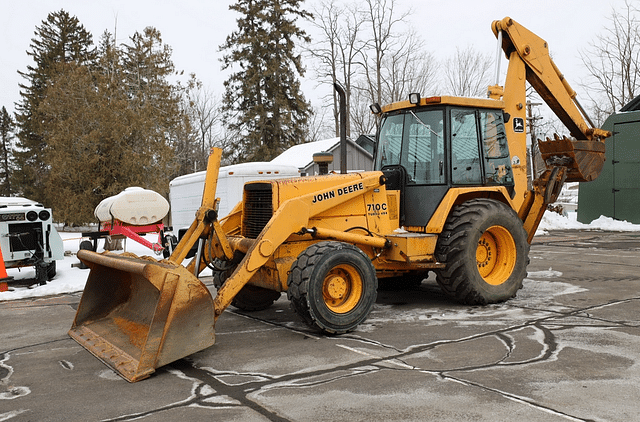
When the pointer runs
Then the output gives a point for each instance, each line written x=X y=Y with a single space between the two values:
x=582 y=158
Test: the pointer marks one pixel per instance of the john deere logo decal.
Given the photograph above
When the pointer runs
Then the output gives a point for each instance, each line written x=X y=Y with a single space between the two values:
x=518 y=124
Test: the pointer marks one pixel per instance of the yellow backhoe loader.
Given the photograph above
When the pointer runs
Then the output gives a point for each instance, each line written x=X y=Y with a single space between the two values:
x=449 y=194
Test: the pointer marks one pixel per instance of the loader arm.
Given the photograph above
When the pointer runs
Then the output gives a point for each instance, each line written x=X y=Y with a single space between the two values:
x=292 y=217
x=206 y=217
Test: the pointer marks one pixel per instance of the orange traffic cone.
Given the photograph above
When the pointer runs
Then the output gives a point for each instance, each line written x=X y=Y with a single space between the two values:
x=4 y=286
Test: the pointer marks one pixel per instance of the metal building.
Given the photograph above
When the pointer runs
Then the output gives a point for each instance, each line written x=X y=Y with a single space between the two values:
x=616 y=192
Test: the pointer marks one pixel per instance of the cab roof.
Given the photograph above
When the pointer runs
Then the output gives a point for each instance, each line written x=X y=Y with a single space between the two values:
x=445 y=100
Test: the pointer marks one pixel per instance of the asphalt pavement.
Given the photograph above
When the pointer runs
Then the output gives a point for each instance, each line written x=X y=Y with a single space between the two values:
x=567 y=347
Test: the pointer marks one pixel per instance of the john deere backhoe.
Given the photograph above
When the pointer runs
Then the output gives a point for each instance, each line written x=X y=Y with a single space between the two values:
x=449 y=194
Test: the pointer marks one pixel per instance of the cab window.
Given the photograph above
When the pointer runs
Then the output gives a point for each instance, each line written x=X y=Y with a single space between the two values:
x=423 y=155
x=465 y=152
x=414 y=140
x=390 y=140
x=497 y=164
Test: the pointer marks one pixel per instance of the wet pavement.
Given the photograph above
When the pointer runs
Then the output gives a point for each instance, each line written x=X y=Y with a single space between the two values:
x=566 y=348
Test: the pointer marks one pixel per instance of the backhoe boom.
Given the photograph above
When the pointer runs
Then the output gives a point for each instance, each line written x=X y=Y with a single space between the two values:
x=541 y=72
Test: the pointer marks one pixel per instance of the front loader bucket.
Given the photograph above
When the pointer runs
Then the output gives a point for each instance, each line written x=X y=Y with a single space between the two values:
x=137 y=314
x=583 y=159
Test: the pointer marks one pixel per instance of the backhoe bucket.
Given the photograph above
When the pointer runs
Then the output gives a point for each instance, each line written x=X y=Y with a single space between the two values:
x=137 y=314
x=583 y=159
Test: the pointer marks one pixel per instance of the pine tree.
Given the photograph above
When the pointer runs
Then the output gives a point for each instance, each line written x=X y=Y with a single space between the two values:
x=6 y=136
x=81 y=145
x=61 y=39
x=161 y=123
x=262 y=100
x=111 y=126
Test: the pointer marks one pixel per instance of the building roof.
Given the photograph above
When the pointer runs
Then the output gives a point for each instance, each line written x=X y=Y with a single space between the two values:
x=302 y=155
x=633 y=105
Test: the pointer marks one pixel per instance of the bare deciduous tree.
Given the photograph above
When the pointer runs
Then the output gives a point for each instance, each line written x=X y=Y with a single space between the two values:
x=319 y=127
x=362 y=120
x=613 y=61
x=406 y=67
x=374 y=53
x=206 y=120
x=410 y=68
x=382 y=20
x=467 y=73
x=337 y=53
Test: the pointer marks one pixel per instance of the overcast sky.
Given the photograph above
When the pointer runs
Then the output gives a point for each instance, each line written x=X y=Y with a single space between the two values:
x=196 y=28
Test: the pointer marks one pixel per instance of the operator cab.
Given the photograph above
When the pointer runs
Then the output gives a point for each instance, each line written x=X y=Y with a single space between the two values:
x=427 y=147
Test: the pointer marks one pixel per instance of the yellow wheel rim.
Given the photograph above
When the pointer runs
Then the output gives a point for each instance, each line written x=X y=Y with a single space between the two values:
x=496 y=255
x=342 y=289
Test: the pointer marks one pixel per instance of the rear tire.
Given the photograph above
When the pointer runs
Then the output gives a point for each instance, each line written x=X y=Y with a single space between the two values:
x=485 y=249
x=254 y=298
x=249 y=298
x=332 y=286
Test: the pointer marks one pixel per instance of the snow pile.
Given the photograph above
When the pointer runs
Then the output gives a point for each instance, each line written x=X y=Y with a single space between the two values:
x=554 y=221
x=568 y=199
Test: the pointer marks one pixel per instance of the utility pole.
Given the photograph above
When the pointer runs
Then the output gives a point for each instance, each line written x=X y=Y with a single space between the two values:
x=531 y=152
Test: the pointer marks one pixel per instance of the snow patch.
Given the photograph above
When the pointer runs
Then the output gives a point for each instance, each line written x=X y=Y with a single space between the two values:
x=554 y=221
x=302 y=154
x=550 y=273
x=110 y=375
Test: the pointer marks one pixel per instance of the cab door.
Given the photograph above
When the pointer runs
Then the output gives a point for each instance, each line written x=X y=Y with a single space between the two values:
x=411 y=150
x=423 y=162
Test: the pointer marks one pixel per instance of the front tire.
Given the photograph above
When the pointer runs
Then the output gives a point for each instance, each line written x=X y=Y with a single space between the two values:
x=485 y=249
x=332 y=286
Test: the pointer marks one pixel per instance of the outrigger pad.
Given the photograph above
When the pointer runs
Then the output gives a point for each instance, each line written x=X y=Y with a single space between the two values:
x=137 y=314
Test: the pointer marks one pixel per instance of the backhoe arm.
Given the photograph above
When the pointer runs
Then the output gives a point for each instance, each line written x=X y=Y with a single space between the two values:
x=572 y=160
x=541 y=72
x=529 y=60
